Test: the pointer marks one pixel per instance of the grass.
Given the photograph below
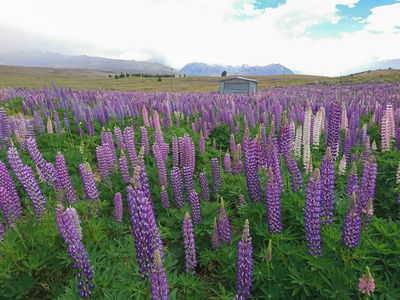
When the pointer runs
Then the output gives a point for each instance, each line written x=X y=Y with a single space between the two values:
x=81 y=79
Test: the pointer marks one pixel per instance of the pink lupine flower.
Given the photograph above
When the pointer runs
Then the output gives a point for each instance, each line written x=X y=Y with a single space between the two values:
x=366 y=283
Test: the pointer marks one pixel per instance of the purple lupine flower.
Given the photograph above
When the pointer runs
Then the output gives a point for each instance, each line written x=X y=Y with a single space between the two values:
x=57 y=123
x=103 y=162
x=284 y=138
x=129 y=137
x=355 y=157
x=38 y=122
x=27 y=179
x=188 y=178
x=333 y=139
x=108 y=141
x=273 y=162
x=145 y=139
x=250 y=167
x=123 y=166
x=139 y=212
x=327 y=195
x=37 y=158
x=63 y=181
x=352 y=181
x=158 y=281
x=76 y=251
x=164 y=197
x=143 y=222
x=6 y=205
x=175 y=151
x=118 y=208
x=284 y=148
x=216 y=175
x=272 y=192
x=162 y=173
x=89 y=187
x=347 y=147
x=214 y=239
x=245 y=124
x=188 y=242
x=205 y=192
x=366 y=192
x=189 y=159
x=177 y=186
x=312 y=215
x=202 y=145
x=2 y=231
x=177 y=121
x=232 y=144
x=7 y=182
x=244 y=264
x=352 y=225
x=237 y=163
x=195 y=207
x=237 y=128
x=120 y=138
x=227 y=163
x=75 y=222
x=66 y=122
x=224 y=230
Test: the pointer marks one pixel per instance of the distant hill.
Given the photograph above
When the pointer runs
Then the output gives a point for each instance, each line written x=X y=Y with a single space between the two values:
x=57 y=60
x=375 y=65
x=202 y=69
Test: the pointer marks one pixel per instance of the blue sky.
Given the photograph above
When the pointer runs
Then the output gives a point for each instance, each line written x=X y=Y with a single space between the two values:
x=309 y=36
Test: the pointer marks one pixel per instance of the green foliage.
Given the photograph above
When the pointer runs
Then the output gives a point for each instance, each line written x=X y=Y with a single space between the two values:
x=35 y=264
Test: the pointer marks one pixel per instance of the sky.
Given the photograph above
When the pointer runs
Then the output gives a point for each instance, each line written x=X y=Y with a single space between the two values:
x=320 y=37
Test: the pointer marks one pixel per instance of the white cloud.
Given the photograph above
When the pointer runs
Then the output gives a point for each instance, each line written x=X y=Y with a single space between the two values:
x=177 y=32
x=384 y=18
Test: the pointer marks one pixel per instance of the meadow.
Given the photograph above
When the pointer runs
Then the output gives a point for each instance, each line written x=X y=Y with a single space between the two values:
x=83 y=79
x=291 y=193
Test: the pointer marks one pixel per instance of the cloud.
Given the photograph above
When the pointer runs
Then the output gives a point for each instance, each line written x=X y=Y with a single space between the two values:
x=176 y=32
x=384 y=19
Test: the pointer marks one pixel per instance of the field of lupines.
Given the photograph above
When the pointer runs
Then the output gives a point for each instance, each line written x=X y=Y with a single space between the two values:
x=290 y=193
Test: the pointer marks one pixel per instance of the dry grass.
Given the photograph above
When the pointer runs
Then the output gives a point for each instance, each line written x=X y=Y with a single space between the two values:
x=80 y=79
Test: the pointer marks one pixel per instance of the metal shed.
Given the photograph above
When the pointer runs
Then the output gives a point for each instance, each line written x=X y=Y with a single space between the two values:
x=238 y=85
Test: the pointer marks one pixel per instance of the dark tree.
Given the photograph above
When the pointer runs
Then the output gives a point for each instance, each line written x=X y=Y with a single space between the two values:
x=223 y=74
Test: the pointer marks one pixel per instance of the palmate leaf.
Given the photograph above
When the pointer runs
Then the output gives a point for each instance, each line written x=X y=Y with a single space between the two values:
x=337 y=285
x=272 y=290
x=302 y=282
x=222 y=294
x=189 y=285
x=18 y=287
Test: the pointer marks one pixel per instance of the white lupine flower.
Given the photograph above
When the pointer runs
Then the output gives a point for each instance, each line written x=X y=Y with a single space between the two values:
x=306 y=153
x=342 y=165
x=307 y=125
x=297 y=142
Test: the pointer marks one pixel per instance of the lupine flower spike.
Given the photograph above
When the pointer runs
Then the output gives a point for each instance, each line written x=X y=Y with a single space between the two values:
x=188 y=241
x=244 y=264
x=366 y=283
x=224 y=230
x=214 y=239
x=352 y=225
x=312 y=215
x=158 y=281
x=118 y=208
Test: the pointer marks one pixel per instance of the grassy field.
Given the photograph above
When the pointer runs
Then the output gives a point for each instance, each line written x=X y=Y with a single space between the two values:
x=80 y=79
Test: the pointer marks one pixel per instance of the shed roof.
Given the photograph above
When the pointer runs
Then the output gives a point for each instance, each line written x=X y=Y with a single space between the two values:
x=241 y=78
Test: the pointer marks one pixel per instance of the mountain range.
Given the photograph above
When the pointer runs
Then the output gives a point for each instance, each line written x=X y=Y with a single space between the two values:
x=202 y=69
x=57 y=60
